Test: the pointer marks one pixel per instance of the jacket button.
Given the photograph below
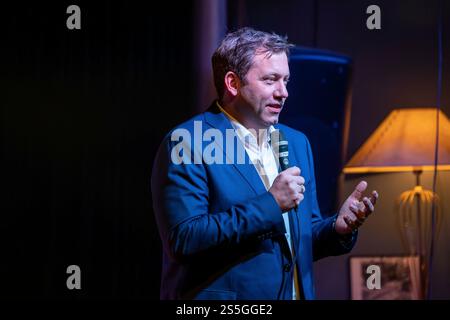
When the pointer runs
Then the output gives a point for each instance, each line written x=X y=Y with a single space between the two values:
x=287 y=267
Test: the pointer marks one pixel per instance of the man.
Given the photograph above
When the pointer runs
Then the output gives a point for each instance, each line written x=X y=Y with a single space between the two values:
x=234 y=229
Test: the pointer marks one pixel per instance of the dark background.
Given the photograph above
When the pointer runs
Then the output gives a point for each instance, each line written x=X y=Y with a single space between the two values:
x=84 y=112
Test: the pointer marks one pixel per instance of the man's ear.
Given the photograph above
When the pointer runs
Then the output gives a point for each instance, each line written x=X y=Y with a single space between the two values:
x=232 y=83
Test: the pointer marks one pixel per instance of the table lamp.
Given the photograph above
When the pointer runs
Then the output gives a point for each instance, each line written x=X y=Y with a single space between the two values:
x=405 y=142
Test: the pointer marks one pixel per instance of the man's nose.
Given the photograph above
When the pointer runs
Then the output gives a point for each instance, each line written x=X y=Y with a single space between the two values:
x=281 y=91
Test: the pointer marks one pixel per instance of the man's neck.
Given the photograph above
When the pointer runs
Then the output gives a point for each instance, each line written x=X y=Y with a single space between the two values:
x=260 y=133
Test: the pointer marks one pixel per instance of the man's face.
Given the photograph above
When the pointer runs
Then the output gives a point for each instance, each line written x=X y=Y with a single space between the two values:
x=264 y=92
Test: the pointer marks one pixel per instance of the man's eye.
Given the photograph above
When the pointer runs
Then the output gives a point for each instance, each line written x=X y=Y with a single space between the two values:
x=269 y=81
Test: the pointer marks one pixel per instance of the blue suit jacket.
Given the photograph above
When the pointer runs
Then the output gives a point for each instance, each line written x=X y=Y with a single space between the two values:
x=223 y=233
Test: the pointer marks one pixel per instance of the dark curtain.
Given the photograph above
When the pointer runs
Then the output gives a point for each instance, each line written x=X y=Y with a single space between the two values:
x=83 y=114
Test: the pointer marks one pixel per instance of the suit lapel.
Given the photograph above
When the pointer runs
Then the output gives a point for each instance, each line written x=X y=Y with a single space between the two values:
x=216 y=119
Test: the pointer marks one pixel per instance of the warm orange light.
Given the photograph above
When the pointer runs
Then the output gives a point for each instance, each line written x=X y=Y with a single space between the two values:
x=405 y=141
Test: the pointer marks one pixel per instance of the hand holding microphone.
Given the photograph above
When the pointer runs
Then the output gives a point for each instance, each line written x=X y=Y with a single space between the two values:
x=288 y=187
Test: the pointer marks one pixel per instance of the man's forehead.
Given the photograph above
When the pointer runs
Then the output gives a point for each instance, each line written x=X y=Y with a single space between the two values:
x=267 y=60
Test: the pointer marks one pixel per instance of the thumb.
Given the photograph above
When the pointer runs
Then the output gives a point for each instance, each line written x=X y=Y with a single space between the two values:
x=295 y=171
x=360 y=188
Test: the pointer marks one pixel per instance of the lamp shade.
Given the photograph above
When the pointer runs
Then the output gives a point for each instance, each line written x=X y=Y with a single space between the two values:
x=404 y=141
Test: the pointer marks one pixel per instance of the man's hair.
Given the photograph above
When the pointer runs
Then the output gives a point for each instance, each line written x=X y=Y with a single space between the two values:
x=237 y=50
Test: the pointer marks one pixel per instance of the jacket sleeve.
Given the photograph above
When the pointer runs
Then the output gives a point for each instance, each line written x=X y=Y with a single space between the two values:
x=325 y=240
x=180 y=201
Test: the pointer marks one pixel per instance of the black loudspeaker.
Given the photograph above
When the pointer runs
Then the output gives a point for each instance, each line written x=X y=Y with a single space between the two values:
x=319 y=106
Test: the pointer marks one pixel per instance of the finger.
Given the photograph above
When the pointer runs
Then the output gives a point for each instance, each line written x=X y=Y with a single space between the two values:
x=359 y=205
x=360 y=188
x=354 y=222
x=348 y=222
x=354 y=209
x=300 y=180
x=299 y=199
x=369 y=206
x=297 y=188
x=359 y=215
x=374 y=197
x=301 y=189
x=351 y=225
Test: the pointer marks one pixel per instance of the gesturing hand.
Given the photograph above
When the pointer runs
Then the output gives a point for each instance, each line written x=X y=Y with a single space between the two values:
x=355 y=209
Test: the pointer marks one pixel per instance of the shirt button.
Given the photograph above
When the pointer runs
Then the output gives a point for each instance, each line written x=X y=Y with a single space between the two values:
x=287 y=267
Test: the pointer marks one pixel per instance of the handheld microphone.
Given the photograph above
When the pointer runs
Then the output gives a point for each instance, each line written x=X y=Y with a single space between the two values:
x=281 y=148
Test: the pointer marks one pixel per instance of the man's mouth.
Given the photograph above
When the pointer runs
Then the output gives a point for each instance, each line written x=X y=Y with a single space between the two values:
x=274 y=108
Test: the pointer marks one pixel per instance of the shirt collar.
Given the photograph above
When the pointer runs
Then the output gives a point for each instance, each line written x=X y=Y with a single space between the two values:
x=243 y=133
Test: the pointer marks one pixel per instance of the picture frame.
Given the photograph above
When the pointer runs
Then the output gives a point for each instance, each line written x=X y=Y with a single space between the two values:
x=399 y=278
